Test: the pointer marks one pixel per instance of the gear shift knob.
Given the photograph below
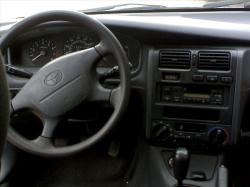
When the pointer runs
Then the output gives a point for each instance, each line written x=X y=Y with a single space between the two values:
x=181 y=164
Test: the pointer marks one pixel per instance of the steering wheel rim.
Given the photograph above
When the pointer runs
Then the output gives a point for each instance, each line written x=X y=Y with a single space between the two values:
x=4 y=105
x=60 y=67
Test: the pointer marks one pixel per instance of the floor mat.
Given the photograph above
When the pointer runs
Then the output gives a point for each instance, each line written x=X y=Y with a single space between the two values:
x=85 y=170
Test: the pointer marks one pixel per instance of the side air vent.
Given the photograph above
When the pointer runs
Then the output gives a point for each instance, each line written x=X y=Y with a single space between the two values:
x=209 y=60
x=175 y=59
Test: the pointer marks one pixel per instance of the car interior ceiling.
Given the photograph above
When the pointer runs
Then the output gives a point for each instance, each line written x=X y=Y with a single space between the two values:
x=139 y=99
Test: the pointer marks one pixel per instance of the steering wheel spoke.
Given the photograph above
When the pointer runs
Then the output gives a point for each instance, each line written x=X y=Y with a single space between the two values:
x=115 y=96
x=102 y=49
x=20 y=102
x=99 y=93
x=44 y=143
x=45 y=139
x=49 y=126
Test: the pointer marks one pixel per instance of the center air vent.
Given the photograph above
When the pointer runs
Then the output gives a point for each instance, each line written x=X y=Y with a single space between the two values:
x=175 y=59
x=209 y=60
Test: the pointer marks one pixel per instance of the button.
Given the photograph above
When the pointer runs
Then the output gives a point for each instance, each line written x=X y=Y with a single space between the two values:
x=212 y=78
x=167 y=91
x=177 y=99
x=218 y=96
x=198 y=77
x=226 y=79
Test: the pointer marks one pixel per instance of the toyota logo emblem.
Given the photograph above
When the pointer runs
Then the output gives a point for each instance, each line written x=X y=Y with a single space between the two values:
x=53 y=78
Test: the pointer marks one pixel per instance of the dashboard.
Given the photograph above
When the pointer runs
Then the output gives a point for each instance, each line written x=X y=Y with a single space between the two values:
x=192 y=76
x=190 y=81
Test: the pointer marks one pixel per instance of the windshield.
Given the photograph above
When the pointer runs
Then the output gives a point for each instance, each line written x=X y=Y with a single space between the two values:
x=12 y=9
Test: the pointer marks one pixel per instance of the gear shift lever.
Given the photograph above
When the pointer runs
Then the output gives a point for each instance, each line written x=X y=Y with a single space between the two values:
x=181 y=163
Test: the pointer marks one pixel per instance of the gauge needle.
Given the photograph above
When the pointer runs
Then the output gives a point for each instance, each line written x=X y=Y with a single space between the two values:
x=42 y=53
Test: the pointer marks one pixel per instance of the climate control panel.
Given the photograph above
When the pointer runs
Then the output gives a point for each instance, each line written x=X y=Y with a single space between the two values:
x=189 y=134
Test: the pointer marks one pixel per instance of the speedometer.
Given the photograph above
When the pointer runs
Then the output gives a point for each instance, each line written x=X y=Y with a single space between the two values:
x=42 y=51
x=78 y=42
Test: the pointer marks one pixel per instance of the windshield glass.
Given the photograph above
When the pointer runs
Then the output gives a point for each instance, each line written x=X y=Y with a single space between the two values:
x=11 y=9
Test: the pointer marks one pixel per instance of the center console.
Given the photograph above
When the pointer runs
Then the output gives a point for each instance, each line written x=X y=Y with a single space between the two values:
x=190 y=97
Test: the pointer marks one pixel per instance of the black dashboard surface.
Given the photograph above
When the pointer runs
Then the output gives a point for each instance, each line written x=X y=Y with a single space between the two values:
x=158 y=91
x=144 y=34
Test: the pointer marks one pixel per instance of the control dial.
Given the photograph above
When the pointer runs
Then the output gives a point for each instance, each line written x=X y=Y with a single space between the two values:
x=218 y=136
x=161 y=131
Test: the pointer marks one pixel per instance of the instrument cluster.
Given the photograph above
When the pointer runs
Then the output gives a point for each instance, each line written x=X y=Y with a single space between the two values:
x=44 y=49
x=32 y=51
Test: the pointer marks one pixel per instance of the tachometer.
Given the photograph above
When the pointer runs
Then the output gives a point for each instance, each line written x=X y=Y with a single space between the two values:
x=42 y=51
x=78 y=42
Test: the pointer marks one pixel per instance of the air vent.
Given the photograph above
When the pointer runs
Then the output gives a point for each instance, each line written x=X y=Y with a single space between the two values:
x=209 y=60
x=175 y=59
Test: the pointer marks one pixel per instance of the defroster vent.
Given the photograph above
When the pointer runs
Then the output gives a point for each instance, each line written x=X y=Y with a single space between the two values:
x=210 y=60
x=175 y=59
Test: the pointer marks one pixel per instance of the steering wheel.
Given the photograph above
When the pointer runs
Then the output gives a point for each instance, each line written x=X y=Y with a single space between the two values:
x=67 y=81
x=4 y=105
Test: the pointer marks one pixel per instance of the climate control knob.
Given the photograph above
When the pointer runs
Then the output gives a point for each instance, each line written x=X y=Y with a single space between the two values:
x=161 y=131
x=218 y=136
